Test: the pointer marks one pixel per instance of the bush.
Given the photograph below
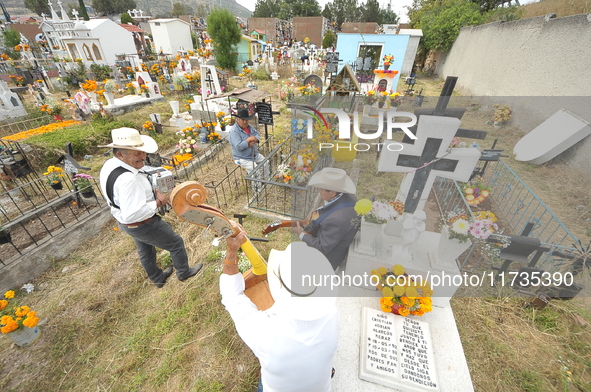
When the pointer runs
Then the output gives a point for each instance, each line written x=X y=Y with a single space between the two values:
x=260 y=74
x=101 y=72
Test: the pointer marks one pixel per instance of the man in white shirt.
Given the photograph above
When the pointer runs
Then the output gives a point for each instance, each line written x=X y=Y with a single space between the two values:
x=134 y=204
x=295 y=340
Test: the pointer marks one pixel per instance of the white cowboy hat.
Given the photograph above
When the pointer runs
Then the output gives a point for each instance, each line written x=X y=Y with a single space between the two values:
x=333 y=179
x=300 y=282
x=130 y=139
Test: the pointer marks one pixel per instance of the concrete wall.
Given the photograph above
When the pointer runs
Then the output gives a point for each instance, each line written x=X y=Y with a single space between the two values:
x=312 y=27
x=536 y=65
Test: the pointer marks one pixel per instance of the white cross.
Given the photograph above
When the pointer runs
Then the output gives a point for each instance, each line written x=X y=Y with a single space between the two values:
x=75 y=13
x=141 y=13
x=427 y=159
x=134 y=13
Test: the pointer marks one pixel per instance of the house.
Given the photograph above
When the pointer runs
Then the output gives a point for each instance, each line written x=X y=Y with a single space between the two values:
x=94 y=41
x=366 y=52
x=259 y=35
x=313 y=27
x=248 y=48
x=171 y=35
x=139 y=37
x=278 y=31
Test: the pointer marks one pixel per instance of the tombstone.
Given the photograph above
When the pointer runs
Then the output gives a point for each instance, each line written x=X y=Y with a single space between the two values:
x=144 y=78
x=10 y=103
x=315 y=80
x=210 y=84
x=544 y=143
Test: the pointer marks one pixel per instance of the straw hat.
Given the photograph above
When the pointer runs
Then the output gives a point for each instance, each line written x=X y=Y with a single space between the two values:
x=130 y=139
x=243 y=114
x=299 y=280
x=333 y=179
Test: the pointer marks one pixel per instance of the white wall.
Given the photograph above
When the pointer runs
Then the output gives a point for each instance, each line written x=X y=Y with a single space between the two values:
x=171 y=36
x=536 y=65
x=114 y=40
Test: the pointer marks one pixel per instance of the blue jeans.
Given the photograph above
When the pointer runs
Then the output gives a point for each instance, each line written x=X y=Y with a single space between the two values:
x=158 y=233
x=260 y=387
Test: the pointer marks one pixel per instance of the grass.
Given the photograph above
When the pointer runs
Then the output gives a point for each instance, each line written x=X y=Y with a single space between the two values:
x=106 y=328
x=559 y=7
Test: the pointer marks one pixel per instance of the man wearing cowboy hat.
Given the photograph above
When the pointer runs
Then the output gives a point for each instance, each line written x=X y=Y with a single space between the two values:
x=295 y=339
x=134 y=205
x=333 y=231
x=244 y=138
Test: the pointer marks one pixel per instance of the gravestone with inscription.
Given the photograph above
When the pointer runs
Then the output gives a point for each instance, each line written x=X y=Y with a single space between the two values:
x=397 y=352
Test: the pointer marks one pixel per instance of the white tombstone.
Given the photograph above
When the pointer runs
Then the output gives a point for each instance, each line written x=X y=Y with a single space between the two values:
x=210 y=84
x=545 y=143
x=10 y=103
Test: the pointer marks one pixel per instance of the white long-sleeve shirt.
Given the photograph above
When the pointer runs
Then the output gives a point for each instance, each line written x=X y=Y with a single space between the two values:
x=295 y=355
x=132 y=192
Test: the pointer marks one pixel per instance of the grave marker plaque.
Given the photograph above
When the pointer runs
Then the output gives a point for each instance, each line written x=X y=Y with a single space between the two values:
x=264 y=111
x=397 y=352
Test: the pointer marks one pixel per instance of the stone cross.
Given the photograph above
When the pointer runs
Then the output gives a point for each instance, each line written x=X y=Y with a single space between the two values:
x=428 y=158
x=141 y=13
x=75 y=13
x=134 y=13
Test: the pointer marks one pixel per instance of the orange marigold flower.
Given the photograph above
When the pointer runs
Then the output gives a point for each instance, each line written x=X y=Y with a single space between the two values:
x=9 y=294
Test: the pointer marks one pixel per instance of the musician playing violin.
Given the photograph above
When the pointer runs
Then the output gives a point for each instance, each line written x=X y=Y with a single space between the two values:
x=334 y=230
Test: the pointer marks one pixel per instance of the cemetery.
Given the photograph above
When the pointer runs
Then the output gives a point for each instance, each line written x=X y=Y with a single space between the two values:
x=485 y=219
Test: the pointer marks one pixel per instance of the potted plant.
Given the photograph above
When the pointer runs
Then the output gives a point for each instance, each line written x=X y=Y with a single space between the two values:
x=53 y=177
x=19 y=323
x=84 y=184
x=382 y=98
x=53 y=108
x=395 y=99
x=388 y=60
x=502 y=115
x=370 y=97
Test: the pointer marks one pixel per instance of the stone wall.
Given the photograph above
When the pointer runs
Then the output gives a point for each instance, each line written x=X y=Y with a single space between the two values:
x=536 y=65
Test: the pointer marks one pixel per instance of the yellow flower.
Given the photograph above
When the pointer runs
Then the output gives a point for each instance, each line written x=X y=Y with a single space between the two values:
x=9 y=294
x=406 y=301
x=382 y=270
x=363 y=206
x=398 y=270
x=403 y=312
x=412 y=292
x=387 y=301
x=387 y=292
x=22 y=311
x=399 y=291
x=386 y=309
x=3 y=304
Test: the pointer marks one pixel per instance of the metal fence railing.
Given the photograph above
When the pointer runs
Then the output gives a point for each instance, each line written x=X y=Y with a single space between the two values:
x=34 y=213
x=266 y=193
x=11 y=127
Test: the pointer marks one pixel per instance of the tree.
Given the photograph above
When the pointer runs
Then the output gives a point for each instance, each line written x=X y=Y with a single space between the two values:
x=11 y=39
x=328 y=39
x=225 y=33
x=441 y=25
x=371 y=12
x=82 y=10
x=177 y=9
x=126 y=18
x=267 y=8
x=38 y=6
x=290 y=9
x=388 y=16
x=341 y=11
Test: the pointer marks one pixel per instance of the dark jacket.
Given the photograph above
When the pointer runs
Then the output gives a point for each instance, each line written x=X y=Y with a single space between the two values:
x=336 y=232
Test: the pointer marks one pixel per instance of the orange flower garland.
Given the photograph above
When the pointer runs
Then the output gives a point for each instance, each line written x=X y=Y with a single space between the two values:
x=38 y=131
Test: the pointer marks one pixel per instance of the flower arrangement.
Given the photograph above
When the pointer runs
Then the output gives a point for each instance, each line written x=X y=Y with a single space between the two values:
x=502 y=114
x=4 y=57
x=144 y=89
x=378 y=211
x=15 y=317
x=82 y=181
x=110 y=86
x=213 y=137
x=395 y=99
x=387 y=73
x=18 y=80
x=42 y=129
x=475 y=191
x=130 y=88
x=400 y=293
x=148 y=126
x=89 y=85
x=383 y=96
x=388 y=59
x=370 y=97
x=188 y=141
x=287 y=90
x=309 y=89
x=54 y=175
x=223 y=119
x=52 y=107
x=245 y=72
x=478 y=227
x=284 y=173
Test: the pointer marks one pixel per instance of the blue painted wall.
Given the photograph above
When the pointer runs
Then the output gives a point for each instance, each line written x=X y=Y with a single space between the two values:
x=394 y=44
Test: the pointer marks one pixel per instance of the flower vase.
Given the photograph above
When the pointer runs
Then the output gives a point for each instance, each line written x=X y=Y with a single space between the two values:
x=386 y=67
x=57 y=186
x=450 y=249
x=25 y=336
x=87 y=192
x=203 y=135
x=174 y=105
x=497 y=125
x=368 y=232
x=394 y=227
x=381 y=104
x=92 y=96
x=110 y=97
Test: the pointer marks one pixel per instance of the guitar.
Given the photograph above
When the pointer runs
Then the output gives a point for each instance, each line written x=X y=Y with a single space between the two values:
x=271 y=227
x=187 y=200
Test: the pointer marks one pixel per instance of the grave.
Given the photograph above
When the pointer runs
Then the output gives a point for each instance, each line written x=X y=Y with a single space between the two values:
x=128 y=102
x=544 y=142
x=10 y=103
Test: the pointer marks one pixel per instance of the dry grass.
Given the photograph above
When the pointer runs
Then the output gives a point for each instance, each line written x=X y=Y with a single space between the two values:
x=106 y=328
x=559 y=7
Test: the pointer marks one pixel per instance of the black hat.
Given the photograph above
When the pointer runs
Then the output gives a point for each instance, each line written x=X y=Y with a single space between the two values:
x=243 y=114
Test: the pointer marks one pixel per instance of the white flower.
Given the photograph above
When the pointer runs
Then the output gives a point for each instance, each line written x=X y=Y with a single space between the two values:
x=461 y=226
x=28 y=287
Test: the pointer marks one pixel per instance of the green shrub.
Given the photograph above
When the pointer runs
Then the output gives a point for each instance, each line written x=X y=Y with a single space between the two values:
x=260 y=74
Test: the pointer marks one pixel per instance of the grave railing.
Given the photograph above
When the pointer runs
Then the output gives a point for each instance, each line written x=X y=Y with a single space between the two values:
x=35 y=213
x=273 y=195
x=515 y=204
x=10 y=127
